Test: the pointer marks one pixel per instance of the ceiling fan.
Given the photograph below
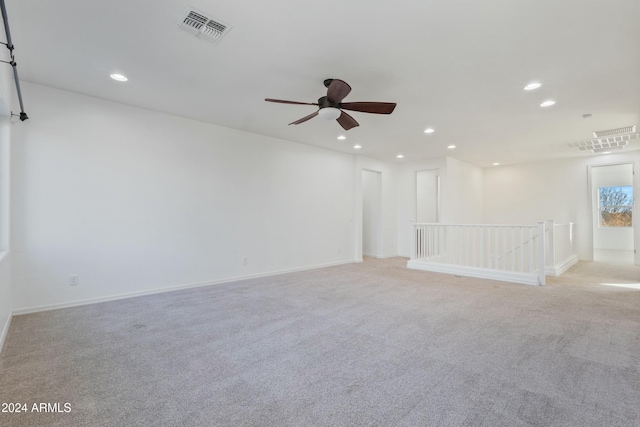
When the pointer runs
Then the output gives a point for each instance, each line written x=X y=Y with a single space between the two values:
x=330 y=107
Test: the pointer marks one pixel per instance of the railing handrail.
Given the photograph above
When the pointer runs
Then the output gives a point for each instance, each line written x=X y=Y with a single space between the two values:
x=555 y=224
x=477 y=225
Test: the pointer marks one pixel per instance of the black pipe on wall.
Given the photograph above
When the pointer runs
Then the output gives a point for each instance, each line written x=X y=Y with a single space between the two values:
x=23 y=115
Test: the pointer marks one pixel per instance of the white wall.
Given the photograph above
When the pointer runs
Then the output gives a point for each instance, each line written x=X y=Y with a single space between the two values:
x=428 y=196
x=6 y=104
x=134 y=201
x=617 y=238
x=388 y=172
x=371 y=213
x=558 y=190
x=6 y=290
x=464 y=203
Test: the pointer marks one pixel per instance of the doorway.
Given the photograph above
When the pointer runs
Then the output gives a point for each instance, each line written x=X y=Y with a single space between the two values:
x=372 y=213
x=612 y=198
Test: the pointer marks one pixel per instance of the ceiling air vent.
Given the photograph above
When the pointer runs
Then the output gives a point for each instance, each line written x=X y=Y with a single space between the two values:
x=203 y=26
x=598 y=145
x=611 y=132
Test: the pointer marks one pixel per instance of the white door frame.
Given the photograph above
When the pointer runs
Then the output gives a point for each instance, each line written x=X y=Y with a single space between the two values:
x=636 y=205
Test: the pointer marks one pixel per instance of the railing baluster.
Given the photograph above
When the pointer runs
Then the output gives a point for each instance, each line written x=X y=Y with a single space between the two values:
x=434 y=243
x=522 y=249
x=414 y=239
x=469 y=248
x=482 y=247
x=423 y=246
x=447 y=232
x=475 y=247
x=461 y=239
x=431 y=245
x=541 y=254
x=531 y=251
x=495 y=249
x=504 y=247
x=513 y=249
x=426 y=241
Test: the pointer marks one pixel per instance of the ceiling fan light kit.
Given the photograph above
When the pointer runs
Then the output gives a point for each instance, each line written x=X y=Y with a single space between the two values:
x=329 y=113
x=331 y=107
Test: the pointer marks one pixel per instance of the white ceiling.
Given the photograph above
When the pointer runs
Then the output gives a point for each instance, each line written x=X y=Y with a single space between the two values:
x=458 y=66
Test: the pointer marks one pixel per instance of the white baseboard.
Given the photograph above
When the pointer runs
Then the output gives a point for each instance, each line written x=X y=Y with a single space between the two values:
x=560 y=268
x=481 y=273
x=5 y=330
x=116 y=297
x=380 y=256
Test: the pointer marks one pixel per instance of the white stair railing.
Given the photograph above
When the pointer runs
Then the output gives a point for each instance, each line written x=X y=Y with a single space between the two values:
x=504 y=252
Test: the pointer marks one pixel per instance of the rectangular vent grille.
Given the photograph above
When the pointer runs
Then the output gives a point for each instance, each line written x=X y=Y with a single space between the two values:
x=202 y=26
x=599 y=145
x=611 y=132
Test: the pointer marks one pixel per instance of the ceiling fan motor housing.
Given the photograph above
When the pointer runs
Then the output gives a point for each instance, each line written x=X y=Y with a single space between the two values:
x=324 y=102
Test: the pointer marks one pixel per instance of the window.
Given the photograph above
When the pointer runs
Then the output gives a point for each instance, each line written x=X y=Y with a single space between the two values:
x=616 y=206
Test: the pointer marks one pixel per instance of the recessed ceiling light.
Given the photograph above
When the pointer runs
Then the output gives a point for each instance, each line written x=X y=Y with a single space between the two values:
x=341 y=137
x=357 y=146
x=532 y=86
x=119 y=77
x=400 y=156
x=548 y=103
x=451 y=147
x=496 y=164
x=429 y=130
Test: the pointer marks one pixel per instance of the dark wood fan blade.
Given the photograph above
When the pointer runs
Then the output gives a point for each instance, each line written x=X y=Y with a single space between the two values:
x=282 y=101
x=337 y=91
x=370 y=107
x=304 y=119
x=346 y=121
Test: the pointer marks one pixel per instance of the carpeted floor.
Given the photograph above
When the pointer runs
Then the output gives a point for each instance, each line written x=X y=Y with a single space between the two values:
x=355 y=345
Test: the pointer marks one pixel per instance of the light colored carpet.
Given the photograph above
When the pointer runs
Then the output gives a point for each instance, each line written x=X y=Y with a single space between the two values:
x=355 y=345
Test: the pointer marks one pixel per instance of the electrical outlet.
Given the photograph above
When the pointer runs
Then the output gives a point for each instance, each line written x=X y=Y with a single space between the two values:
x=74 y=280
x=245 y=261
